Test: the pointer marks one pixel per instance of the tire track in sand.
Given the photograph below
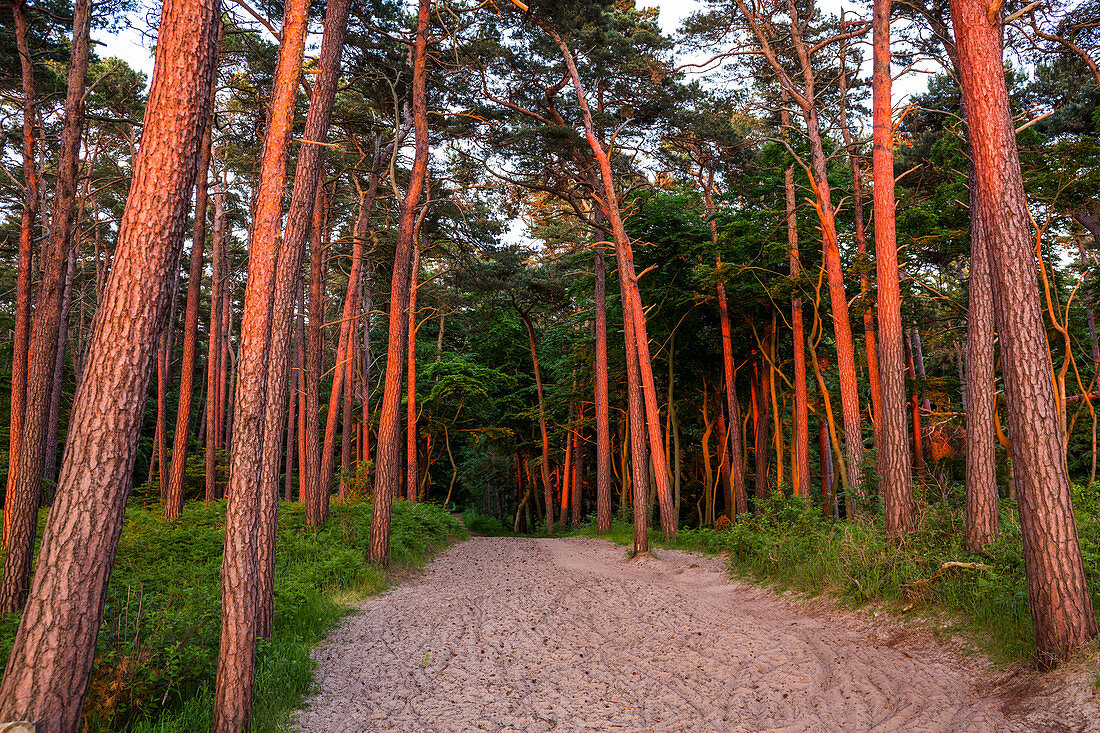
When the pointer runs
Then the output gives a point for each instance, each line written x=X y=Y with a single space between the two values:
x=505 y=634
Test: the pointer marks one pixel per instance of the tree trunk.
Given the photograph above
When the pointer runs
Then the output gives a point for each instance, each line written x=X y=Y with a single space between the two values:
x=981 y=390
x=1061 y=607
x=577 y=494
x=892 y=441
x=547 y=487
x=630 y=296
x=248 y=515
x=603 y=429
x=316 y=509
x=387 y=471
x=173 y=504
x=51 y=660
x=410 y=420
x=22 y=330
x=214 y=362
x=47 y=317
x=49 y=469
x=914 y=407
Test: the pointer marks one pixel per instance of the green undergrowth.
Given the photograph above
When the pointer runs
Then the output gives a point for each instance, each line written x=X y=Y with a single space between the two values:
x=158 y=646
x=788 y=544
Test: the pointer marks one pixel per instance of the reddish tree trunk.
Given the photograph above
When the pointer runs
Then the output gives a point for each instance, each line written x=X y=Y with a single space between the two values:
x=214 y=350
x=981 y=396
x=49 y=667
x=577 y=494
x=603 y=430
x=22 y=329
x=173 y=504
x=248 y=516
x=914 y=408
x=547 y=486
x=387 y=470
x=632 y=301
x=316 y=509
x=892 y=441
x=1061 y=607
x=410 y=401
x=32 y=449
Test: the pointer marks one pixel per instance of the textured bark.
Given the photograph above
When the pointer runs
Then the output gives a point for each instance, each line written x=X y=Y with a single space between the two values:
x=164 y=376
x=248 y=515
x=893 y=443
x=387 y=469
x=981 y=396
x=737 y=463
x=173 y=504
x=50 y=663
x=214 y=362
x=1061 y=607
x=603 y=429
x=22 y=326
x=724 y=431
x=47 y=317
x=410 y=400
x=638 y=464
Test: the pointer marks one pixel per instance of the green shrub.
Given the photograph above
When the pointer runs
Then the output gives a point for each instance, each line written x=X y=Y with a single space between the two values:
x=158 y=645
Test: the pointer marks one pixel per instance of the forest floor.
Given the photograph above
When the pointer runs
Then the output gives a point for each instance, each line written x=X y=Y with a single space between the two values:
x=516 y=634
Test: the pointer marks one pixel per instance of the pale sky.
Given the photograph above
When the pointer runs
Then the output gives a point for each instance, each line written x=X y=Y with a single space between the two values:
x=132 y=47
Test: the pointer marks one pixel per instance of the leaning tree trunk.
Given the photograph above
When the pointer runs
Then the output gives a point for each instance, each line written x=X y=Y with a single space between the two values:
x=603 y=431
x=1061 y=608
x=22 y=329
x=173 y=504
x=547 y=486
x=247 y=492
x=316 y=503
x=47 y=320
x=800 y=443
x=410 y=401
x=630 y=296
x=214 y=364
x=893 y=464
x=51 y=659
x=387 y=471
x=287 y=282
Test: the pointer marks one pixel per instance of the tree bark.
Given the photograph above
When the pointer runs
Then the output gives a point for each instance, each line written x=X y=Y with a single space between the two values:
x=214 y=364
x=387 y=470
x=47 y=318
x=316 y=509
x=981 y=395
x=410 y=401
x=248 y=516
x=49 y=667
x=1061 y=607
x=22 y=331
x=893 y=466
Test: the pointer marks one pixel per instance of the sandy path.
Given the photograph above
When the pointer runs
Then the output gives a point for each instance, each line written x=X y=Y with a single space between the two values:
x=566 y=635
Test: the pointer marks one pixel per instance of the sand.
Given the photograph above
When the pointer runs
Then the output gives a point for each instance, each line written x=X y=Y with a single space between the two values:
x=503 y=634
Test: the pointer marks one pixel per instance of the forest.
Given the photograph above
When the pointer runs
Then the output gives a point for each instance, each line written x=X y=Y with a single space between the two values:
x=808 y=286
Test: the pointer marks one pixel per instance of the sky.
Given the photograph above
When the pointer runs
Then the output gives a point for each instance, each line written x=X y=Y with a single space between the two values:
x=131 y=46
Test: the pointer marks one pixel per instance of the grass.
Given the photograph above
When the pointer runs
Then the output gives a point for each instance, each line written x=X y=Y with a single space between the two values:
x=789 y=544
x=158 y=646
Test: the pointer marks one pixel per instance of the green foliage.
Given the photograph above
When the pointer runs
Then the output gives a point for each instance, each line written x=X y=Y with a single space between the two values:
x=158 y=645
x=791 y=545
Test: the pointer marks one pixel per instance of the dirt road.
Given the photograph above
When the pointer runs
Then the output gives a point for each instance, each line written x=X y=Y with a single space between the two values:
x=568 y=635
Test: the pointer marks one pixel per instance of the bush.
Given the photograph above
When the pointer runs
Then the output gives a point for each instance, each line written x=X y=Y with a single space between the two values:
x=158 y=645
